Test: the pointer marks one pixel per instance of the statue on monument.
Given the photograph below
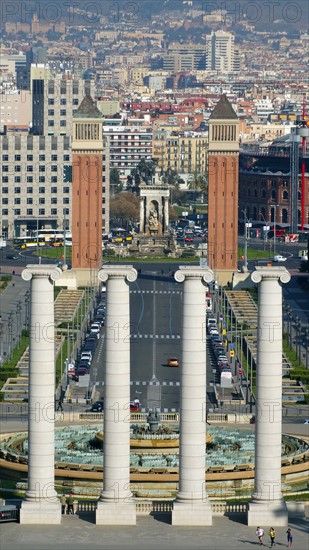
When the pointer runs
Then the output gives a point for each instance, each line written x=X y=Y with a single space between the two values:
x=153 y=220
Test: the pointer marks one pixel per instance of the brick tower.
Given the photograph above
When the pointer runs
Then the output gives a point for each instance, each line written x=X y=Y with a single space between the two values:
x=223 y=189
x=87 y=157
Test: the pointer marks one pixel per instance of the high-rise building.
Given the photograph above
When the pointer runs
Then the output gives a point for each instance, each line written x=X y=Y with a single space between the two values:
x=87 y=175
x=223 y=189
x=55 y=100
x=220 y=54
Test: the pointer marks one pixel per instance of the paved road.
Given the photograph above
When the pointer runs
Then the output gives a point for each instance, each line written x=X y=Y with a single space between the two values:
x=151 y=533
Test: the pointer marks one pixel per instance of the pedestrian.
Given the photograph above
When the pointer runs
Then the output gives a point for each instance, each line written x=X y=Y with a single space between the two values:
x=63 y=501
x=70 y=501
x=289 y=537
x=60 y=405
x=272 y=534
x=260 y=534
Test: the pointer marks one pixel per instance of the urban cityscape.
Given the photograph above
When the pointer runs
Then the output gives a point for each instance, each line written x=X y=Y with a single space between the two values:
x=154 y=274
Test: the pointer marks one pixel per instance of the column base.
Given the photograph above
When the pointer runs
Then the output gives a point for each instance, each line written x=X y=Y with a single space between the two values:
x=267 y=513
x=40 y=512
x=115 y=513
x=192 y=513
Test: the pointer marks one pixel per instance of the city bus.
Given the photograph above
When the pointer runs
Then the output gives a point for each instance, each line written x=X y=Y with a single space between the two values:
x=28 y=242
x=48 y=234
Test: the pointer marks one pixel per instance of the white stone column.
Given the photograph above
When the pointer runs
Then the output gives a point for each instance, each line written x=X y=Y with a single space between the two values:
x=141 y=215
x=41 y=505
x=192 y=506
x=116 y=505
x=166 y=214
x=267 y=506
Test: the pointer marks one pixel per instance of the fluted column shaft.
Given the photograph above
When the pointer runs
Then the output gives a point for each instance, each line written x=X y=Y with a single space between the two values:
x=116 y=484
x=41 y=446
x=192 y=444
x=267 y=496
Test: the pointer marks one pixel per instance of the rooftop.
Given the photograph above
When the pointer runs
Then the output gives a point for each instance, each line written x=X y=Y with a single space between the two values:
x=88 y=109
x=223 y=110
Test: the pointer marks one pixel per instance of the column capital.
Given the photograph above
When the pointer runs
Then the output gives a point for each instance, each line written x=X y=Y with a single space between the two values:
x=118 y=272
x=194 y=272
x=41 y=270
x=263 y=273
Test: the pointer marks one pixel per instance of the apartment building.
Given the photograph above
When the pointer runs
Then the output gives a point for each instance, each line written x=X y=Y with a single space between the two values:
x=36 y=183
x=221 y=54
x=182 y=152
x=128 y=145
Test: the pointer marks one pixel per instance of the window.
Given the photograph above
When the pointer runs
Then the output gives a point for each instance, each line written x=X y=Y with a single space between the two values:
x=285 y=195
x=53 y=190
x=63 y=122
x=75 y=101
x=51 y=123
x=30 y=200
x=66 y=211
x=42 y=200
x=5 y=158
x=17 y=158
x=63 y=101
x=29 y=212
x=54 y=157
x=41 y=179
x=53 y=179
x=66 y=157
x=41 y=158
x=16 y=189
x=5 y=212
x=51 y=101
x=41 y=168
x=29 y=158
x=54 y=168
x=5 y=190
x=5 y=179
x=5 y=168
x=51 y=112
x=29 y=179
x=66 y=200
x=29 y=189
x=53 y=200
x=63 y=112
x=17 y=179
x=30 y=168
x=66 y=190
x=17 y=168
x=5 y=201
x=53 y=211
x=41 y=211
x=41 y=189
x=17 y=211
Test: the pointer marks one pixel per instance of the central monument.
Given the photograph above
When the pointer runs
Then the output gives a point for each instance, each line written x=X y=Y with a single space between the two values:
x=154 y=207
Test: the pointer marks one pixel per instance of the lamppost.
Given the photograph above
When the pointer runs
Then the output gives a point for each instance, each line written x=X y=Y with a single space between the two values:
x=265 y=230
x=247 y=226
x=275 y=221
x=37 y=239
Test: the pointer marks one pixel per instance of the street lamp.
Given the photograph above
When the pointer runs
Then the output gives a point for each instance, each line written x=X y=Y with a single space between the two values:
x=247 y=226
x=275 y=221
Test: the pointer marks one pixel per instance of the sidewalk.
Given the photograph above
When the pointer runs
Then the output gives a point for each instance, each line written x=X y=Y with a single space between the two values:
x=151 y=533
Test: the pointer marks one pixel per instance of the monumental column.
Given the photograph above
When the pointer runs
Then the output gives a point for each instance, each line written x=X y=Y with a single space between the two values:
x=41 y=505
x=267 y=505
x=191 y=506
x=116 y=505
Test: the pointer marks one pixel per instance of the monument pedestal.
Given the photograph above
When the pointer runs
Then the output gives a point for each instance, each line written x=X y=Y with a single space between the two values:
x=267 y=513
x=40 y=512
x=116 y=513
x=192 y=514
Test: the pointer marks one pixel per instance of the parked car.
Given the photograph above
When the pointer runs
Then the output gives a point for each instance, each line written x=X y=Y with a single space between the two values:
x=98 y=406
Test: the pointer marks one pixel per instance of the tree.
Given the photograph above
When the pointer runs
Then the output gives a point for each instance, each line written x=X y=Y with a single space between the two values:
x=124 y=209
x=198 y=183
x=114 y=182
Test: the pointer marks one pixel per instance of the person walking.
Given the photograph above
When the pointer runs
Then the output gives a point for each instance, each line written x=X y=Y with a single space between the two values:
x=272 y=534
x=70 y=501
x=289 y=537
x=260 y=534
x=63 y=501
